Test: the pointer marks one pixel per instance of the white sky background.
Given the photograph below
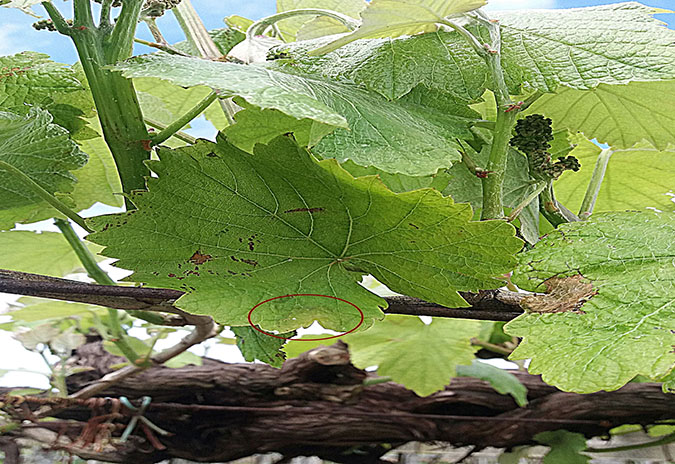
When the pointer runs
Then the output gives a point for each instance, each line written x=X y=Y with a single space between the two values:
x=17 y=35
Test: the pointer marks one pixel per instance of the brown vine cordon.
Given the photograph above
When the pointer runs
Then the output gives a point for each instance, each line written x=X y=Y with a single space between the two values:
x=316 y=404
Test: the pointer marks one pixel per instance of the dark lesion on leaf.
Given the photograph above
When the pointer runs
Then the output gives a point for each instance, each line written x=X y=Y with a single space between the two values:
x=200 y=258
x=563 y=294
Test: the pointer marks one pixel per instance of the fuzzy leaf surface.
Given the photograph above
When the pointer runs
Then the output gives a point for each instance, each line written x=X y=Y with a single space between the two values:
x=404 y=136
x=421 y=357
x=233 y=229
x=625 y=328
x=618 y=115
x=41 y=150
x=636 y=178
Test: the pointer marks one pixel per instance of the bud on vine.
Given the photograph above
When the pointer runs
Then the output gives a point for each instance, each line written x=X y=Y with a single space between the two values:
x=47 y=25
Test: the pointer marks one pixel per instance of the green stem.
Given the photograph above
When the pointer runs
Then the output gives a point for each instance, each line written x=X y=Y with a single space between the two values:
x=660 y=442
x=554 y=212
x=104 y=18
x=179 y=135
x=45 y=195
x=101 y=277
x=478 y=47
x=530 y=198
x=154 y=30
x=595 y=183
x=83 y=254
x=183 y=120
x=531 y=99
x=82 y=15
x=59 y=21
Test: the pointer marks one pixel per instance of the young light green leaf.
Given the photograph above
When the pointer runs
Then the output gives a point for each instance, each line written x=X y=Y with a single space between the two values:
x=66 y=341
x=225 y=39
x=46 y=253
x=614 y=322
x=636 y=178
x=669 y=384
x=565 y=447
x=44 y=333
x=501 y=380
x=405 y=136
x=251 y=227
x=394 y=18
x=258 y=346
x=421 y=357
x=39 y=149
x=186 y=358
x=290 y=27
x=619 y=115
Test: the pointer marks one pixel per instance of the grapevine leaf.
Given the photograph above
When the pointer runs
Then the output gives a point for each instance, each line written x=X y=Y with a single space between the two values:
x=255 y=345
x=669 y=383
x=237 y=229
x=290 y=27
x=254 y=125
x=636 y=178
x=583 y=47
x=544 y=49
x=399 y=183
x=37 y=309
x=619 y=115
x=393 y=18
x=618 y=329
x=421 y=357
x=403 y=136
x=39 y=149
x=46 y=253
x=565 y=447
x=32 y=79
x=501 y=380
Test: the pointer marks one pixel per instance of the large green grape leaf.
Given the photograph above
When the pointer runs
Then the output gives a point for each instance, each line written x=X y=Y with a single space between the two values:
x=290 y=27
x=225 y=39
x=46 y=253
x=625 y=327
x=393 y=18
x=579 y=48
x=41 y=150
x=423 y=357
x=619 y=115
x=583 y=47
x=402 y=136
x=233 y=229
x=636 y=178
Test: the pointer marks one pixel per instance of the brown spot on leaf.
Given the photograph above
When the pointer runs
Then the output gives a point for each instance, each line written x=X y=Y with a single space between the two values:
x=212 y=155
x=413 y=225
x=563 y=294
x=172 y=275
x=305 y=210
x=200 y=258
x=250 y=262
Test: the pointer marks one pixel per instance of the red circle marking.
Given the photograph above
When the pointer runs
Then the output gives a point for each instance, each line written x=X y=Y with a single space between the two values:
x=305 y=339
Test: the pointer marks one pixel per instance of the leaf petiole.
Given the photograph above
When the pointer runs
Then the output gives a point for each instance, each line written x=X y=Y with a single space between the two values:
x=45 y=195
x=595 y=183
x=183 y=120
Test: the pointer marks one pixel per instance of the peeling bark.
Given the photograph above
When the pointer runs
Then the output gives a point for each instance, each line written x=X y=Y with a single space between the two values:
x=316 y=404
